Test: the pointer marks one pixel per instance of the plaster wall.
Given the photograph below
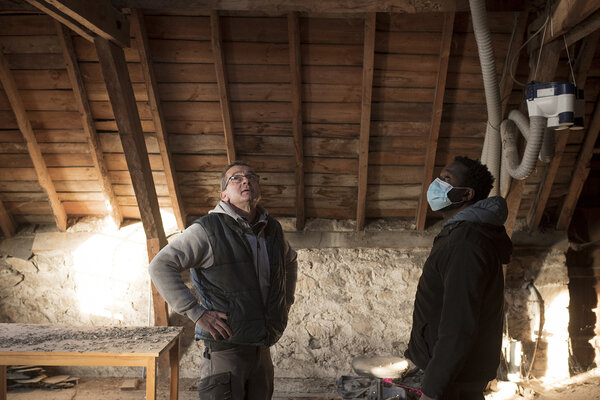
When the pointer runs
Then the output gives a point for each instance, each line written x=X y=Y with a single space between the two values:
x=350 y=300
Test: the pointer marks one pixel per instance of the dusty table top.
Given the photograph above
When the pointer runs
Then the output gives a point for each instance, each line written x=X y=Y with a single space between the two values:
x=93 y=339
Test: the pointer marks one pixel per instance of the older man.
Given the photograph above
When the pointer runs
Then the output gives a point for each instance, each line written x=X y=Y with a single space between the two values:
x=244 y=273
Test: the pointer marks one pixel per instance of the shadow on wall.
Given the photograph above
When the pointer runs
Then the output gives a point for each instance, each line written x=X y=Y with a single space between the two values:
x=583 y=259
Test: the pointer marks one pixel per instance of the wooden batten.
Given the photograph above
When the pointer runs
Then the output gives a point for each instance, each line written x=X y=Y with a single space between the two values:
x=582 y=170
x=365 y=117
x=63 y=18
x=139 y=31
x=114 y=70
x=296 y=100
x=98 y=17
x=219 y=59
x=436 y=117
x=585 y=58
x=16 y=103
x=6 y=222
x=95 y=147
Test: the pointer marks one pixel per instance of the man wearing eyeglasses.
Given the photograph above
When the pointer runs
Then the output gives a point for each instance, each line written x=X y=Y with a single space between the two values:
x=244 y=273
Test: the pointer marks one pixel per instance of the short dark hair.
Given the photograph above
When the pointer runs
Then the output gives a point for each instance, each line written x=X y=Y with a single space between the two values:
x=227 y=168
x=477 y=176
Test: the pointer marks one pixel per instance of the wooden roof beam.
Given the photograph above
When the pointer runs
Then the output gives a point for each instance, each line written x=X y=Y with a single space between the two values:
x=217 y=47
x=120 y=93
x=6 y=222
x=584 y=62
x=548 y=63
x=436 y=117
x=16 y=103
x=568 y=14
x=88 y=18
x=79 y=91
x=139 y=31
x=296 y=91
x=365 y=118
x=311 y=6
x=581 y=170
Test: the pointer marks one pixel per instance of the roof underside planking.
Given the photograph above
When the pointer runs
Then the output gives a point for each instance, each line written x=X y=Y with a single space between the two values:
x=347 y=111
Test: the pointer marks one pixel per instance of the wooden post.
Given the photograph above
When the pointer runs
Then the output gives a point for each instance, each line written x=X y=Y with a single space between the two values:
x=436 y=117
x=6 y=222
x=217 y=47
x=365 y=118
x=296 y=86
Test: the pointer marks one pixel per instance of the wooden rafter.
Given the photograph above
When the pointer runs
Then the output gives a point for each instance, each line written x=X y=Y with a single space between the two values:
x=88 y=18
x=217 y=47
x=587 y=149
x=120 y=93
x=365 y=117
x=548 y=63
x=436 y=117
x=139 y=31
x=79 y=91
x=296 y=91
x=6 y=222
x=536 y=212
x=16 y=103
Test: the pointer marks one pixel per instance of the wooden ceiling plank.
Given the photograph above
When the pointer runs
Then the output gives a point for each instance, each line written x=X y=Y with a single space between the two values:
x=365 y=117
x=534 y=217
x=16 y=103
x=97 y=16
x=139 y=31
x=587 y=149
x=217 y=47
x=548 y=63
x=120 y=92
x=296 y=100
x=6 y=222
x=79 y=91
x=436 y=117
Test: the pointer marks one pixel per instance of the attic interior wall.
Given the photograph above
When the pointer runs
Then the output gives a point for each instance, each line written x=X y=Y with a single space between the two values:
x=349 y=302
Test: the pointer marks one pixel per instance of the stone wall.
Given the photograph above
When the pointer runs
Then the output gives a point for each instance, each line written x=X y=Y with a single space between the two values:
x=354 y=295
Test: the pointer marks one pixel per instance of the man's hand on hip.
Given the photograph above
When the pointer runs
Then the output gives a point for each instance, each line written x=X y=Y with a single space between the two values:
x=214 y=322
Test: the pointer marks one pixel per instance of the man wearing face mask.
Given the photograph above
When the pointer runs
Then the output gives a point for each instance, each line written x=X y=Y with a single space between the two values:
x=457 y=320
x=244 y=273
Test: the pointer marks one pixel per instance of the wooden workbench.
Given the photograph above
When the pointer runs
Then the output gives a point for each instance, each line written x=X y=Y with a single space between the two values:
x=27 y=344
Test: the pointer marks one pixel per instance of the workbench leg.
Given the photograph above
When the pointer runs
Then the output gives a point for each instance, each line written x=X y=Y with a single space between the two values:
x=2 y=382
x=174 y=360
x=151 y=379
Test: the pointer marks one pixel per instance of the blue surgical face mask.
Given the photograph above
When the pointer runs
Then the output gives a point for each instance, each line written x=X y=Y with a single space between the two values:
x=437 y=194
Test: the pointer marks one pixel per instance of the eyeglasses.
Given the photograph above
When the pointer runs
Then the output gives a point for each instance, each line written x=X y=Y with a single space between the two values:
x=239 y=178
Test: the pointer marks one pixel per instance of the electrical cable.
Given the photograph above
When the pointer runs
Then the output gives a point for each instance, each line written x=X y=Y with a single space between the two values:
x=540 y=302
x=521 y=48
